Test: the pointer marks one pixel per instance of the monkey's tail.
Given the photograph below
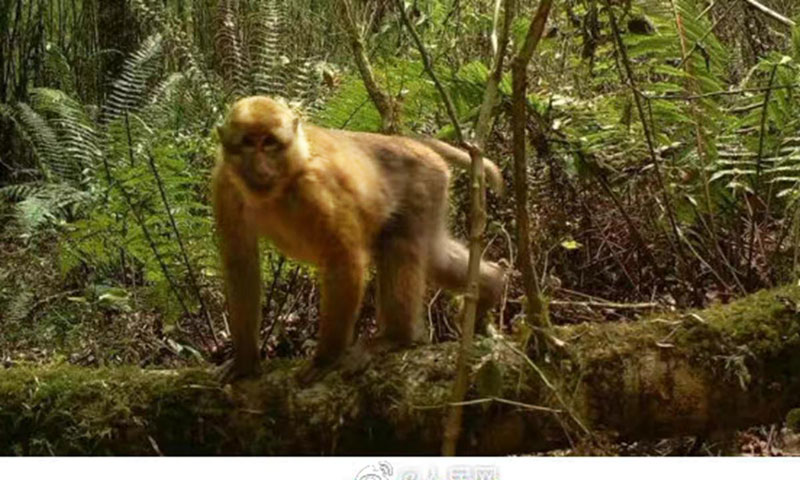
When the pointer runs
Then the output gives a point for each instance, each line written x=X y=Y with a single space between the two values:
x=460 y=158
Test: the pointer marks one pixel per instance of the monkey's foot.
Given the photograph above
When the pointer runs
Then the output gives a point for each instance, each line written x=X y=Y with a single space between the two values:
x=381 y=344
x=231 y=371
x=314 y=370
x=364 y=352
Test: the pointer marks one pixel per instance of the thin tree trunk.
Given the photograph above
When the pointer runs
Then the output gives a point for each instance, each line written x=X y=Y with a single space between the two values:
x=453 y=422
x=387 y=107
x=536 y=306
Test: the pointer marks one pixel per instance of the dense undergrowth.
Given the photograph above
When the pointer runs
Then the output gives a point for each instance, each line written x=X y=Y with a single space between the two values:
x=664 y=176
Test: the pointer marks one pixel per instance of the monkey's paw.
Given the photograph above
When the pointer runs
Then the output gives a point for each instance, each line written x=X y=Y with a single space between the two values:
x=231 y=371
x=314 y=371
x=364 y=353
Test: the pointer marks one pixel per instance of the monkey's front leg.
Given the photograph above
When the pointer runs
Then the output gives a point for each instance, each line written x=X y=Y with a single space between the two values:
x=242 y=275
x=243 y=291
x=342 y=291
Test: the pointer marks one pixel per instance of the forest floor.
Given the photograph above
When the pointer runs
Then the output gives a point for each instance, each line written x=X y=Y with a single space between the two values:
x=46 y=319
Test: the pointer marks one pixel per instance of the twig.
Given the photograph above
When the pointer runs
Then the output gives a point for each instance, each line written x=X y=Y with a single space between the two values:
x=757 y=180
x=771 y=13
x=623 y=54
x=548 y=385
x=383 y=102
x=632 y=306
x=182 y=248
x=428 y=65
x=480 y=401
x=49 y=299
x=430 y=314
x=719 y=93
x=694 y=86
x=143 y=225
x=477 y=211
x=634 y=229
x=687 y=55
x=279 y=310
x=511 y=257
x=536 y=308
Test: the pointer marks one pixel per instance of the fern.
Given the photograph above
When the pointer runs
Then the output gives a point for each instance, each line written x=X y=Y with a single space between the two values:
x=42 y=139
x=752 y=155
x=42 y=204
x=228 y=47
x=350 y=108
x=265 y=34
x=59 y=70
x=130 y=89
x=60 y=133
x=77 y=136
x=19 y=191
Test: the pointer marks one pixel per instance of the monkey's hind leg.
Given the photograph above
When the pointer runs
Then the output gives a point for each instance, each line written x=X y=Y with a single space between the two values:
x=342 y=292
x=401 y=268
x=449 y=265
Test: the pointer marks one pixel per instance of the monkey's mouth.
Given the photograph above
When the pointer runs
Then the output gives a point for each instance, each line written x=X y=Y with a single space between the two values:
x=257 y=181
x=261 y=183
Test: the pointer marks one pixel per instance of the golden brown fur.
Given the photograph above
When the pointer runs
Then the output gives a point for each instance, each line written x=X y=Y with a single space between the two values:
x=341 y=201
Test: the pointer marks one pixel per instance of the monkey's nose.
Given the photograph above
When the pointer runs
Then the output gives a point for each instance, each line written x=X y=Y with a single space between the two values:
x=264 y=170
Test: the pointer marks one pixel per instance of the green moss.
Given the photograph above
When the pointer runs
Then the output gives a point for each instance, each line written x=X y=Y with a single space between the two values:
x=793 y=420
x=63 y=409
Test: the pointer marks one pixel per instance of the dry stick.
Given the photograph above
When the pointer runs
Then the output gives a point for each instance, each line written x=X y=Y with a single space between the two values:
x=719 y=93
x=383 y=102
x=279 y=311
x=537 y=309
x=428 y=65
x=637 y=236
x=694 y=86
x=707 y=9
x=452 y=427
x=481 y=401
x=623 y=53
x=613 y=305
x=141 y=221
x=184 y=254
x=757 y=182
x=796 y=235
x=687 y=55
x=771 y=13
x=276 y=273
x=786 y=230
x=549 y=385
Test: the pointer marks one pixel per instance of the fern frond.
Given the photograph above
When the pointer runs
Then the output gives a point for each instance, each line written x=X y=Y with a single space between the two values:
x=59 y=70
x=230 y=55
x=129 y=91
x=266 y=29
x=40 y=203
x=43 y=140
x=76 y=131
x=19 y=191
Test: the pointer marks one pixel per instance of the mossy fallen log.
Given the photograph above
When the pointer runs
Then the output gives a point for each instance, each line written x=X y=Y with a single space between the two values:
x=721 y=368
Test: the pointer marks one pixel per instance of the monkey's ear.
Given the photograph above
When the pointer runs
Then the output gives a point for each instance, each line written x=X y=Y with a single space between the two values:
x=221 y=134
x=295 y=124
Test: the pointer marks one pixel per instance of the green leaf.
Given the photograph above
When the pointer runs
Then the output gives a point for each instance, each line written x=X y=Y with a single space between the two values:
x=489 y=380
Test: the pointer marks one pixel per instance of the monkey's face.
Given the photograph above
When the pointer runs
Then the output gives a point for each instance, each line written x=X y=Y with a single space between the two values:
x=258 y=139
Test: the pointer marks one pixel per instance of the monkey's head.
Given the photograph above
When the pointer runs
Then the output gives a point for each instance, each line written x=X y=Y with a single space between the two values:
x=263 y=140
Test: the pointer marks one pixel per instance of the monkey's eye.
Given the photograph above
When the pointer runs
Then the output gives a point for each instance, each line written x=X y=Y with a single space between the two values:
x=249 y=141
x=270 y=141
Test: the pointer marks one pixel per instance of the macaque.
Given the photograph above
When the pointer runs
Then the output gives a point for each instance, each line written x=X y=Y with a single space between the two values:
x=342 y=201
